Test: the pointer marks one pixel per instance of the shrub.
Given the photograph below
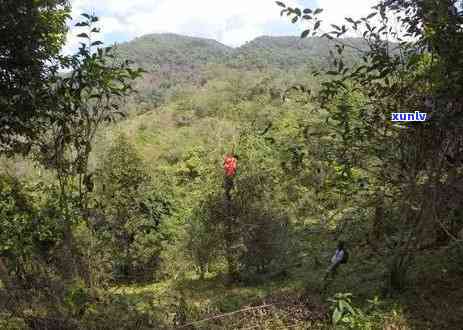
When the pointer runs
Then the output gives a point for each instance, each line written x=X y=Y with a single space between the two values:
x=133 y=210
x=249 y=233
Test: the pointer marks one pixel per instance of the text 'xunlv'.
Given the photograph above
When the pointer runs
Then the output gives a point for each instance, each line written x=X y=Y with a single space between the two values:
x=408 y=116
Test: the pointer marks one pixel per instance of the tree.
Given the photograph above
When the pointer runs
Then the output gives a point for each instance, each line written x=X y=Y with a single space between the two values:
x=133 y=210
x=79 y=102
x=415 y=67
x=31 y=36
x=16 y=213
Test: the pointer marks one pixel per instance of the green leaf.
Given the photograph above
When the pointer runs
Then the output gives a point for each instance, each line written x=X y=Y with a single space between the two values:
x=317 y=25
x=337 y=314
x=350 y=309
x=327 y=35
x=343 y=305
x=307 y=17
x=305 y=34
x=318 y=11
x=281 y=4
x=294 y=20
x=83 y=35
x=298 y=12
x=371 y=15
x=414 y=59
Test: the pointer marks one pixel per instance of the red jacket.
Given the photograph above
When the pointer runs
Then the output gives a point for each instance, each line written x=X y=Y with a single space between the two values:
x=229 y=165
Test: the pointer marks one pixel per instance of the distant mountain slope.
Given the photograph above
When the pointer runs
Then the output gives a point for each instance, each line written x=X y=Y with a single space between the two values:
x=156 y=51
x=173 y=60
x=170 y=51
x=290 y=52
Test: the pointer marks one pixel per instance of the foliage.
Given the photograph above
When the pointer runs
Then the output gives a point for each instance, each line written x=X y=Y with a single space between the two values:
x=251 y=234
x=30 y=234
x=31 y=37
x=105 y=201
x=16 y=214
x=402 y=69
x=455 y=251
x=204 y=239
x=289 y=53
x=132 y=208
x=79 y=104
x=346 y=316
x=117 y=311
x=174 y=63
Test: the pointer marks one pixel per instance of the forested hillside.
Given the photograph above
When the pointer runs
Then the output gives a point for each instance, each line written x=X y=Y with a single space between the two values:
x=173 y=62
x=173 y=182
x=291 y=53
x=153 y=52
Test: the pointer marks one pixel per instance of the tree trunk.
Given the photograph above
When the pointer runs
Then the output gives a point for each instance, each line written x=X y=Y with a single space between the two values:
x=233 y=269
x=69 y=269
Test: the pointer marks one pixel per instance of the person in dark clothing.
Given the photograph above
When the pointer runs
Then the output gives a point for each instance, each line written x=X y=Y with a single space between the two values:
x=339 y=257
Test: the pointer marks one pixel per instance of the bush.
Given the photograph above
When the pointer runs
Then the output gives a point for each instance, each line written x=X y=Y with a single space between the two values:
x=133 y=211
x=455 y=257
x=117 y=311
x=253 y=237
x=204 y=241
x=8 y=322
x=347 y=316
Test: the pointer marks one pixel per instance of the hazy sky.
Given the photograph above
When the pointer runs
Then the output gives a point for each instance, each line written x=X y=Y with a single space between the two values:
x=232 y=22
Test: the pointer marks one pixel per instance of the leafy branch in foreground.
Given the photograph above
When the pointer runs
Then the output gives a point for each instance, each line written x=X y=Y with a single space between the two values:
x=89 y=94
x=412 y=61
x=31 y=37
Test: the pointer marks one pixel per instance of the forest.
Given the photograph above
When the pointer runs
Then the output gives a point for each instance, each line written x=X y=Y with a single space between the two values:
x=174 y=182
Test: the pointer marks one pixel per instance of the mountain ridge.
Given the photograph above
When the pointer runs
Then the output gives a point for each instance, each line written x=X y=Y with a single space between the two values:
x=172 y=60
x=162 y=48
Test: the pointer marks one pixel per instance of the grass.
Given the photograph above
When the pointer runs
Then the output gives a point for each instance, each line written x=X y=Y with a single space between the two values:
x=295 y=302
x=433 y=301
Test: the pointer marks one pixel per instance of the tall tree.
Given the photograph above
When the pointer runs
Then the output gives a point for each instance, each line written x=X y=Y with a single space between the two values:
x=89 y=95
x=415 y=65
x=133 y=210
x=32 y=34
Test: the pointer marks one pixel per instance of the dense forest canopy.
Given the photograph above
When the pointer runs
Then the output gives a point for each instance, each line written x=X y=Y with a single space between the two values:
x=176 y=182
x=32 y=36
x=173 y=61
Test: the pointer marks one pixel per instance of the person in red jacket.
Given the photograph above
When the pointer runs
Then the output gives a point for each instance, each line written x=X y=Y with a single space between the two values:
x=230 y=165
